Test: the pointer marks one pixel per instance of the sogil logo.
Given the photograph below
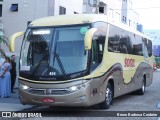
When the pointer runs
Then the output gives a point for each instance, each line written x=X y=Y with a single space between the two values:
x=129 y=62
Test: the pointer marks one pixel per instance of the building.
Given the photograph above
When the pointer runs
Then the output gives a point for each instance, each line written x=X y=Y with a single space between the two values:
x=155 y=36
x=15 y=14
x=119 y=10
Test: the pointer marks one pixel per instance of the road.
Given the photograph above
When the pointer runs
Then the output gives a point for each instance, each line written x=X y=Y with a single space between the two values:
x=129 y=103
x=148 y=102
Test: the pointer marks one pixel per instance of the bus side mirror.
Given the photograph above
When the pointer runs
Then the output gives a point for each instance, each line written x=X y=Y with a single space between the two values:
x=88 y=38
x=12 y=40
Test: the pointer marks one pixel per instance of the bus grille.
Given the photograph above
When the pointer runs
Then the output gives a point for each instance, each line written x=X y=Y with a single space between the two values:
x=51 y=91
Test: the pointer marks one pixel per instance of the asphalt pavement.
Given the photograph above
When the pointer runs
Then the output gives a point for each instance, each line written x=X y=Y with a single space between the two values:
x=13 y=104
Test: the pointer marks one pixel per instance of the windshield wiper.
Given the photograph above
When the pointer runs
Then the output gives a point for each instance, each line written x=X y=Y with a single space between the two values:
x=56 y=55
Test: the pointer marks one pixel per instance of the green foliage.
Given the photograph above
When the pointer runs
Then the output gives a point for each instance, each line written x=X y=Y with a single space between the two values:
x=157 y=60
x=3 y=40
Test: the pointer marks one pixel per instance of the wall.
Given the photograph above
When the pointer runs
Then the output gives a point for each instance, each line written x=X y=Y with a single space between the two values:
x=28 y=10
x=70 y=5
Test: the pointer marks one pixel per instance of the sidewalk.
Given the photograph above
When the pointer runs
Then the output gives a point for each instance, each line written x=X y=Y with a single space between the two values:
x=12 y=103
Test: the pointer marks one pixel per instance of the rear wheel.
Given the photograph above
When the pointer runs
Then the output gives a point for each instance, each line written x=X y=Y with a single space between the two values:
x=141 y=91
x=108 y=98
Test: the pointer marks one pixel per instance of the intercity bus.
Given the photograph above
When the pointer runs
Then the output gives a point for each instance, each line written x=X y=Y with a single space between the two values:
x=81 y=60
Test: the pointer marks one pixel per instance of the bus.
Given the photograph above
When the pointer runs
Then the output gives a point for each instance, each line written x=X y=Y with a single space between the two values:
x=81 y=60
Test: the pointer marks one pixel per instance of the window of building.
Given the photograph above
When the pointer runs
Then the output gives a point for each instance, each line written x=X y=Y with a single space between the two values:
x=14 y=7
x=130 y=4
x=0 y=10
x=125 y=1
x=111 y=12
x=75 y=12
x=62 y=10
x=117 y=16
x=124 y=19
x=129 y=22
x=84 y=8
x=101 y=9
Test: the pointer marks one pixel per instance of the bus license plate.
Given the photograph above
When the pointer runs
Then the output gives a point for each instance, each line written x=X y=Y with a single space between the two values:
x=48 y=100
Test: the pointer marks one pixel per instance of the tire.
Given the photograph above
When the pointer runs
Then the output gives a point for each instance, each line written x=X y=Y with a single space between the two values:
x=141 y=91
x=108 y=98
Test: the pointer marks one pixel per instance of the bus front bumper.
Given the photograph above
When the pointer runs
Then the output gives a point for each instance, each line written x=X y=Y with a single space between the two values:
x=80 y=98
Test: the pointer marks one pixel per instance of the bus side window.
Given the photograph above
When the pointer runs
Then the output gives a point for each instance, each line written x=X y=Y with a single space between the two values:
x=144 y=47
x=149 y=48
x=97 y=48
x=137 y=45
x=123 y=45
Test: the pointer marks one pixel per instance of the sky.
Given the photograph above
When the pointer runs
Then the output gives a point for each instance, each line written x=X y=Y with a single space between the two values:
x=149 y=13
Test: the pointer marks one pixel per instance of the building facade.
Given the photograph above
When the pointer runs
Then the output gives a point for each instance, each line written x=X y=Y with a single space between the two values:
x=15 y=14
x=119 y=10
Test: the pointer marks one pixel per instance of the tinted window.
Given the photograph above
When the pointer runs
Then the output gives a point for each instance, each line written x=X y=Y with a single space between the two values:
x=122 y=41
x=98 y=44
x=137 y=45
x=144 y=46
x=119 y=40
x=0 y=10
x=113 y=43
x=149 y=48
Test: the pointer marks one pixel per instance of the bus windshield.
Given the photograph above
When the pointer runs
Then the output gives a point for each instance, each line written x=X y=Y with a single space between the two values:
x=51 y=52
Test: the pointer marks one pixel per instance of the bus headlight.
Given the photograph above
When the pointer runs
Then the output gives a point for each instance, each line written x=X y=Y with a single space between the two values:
x=76 y=88
x=24 y=87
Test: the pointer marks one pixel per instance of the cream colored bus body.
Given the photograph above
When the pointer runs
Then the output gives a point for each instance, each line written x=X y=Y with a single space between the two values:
x=93 y=86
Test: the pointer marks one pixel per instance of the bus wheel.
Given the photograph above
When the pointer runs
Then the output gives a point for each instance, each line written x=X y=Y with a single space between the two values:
x=108 y=99
x=141 y=91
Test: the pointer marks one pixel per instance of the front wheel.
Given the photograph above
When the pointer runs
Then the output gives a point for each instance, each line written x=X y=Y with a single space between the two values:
x=108 y=98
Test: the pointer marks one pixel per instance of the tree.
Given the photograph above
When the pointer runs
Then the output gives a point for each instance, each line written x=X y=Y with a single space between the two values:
x=3 y=40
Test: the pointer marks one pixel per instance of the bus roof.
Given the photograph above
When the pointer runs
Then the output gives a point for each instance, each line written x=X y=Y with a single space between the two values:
x=80 y=19
x=68 y=19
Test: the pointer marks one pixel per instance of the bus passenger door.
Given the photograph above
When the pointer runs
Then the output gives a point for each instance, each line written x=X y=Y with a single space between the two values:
x=97 y=49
